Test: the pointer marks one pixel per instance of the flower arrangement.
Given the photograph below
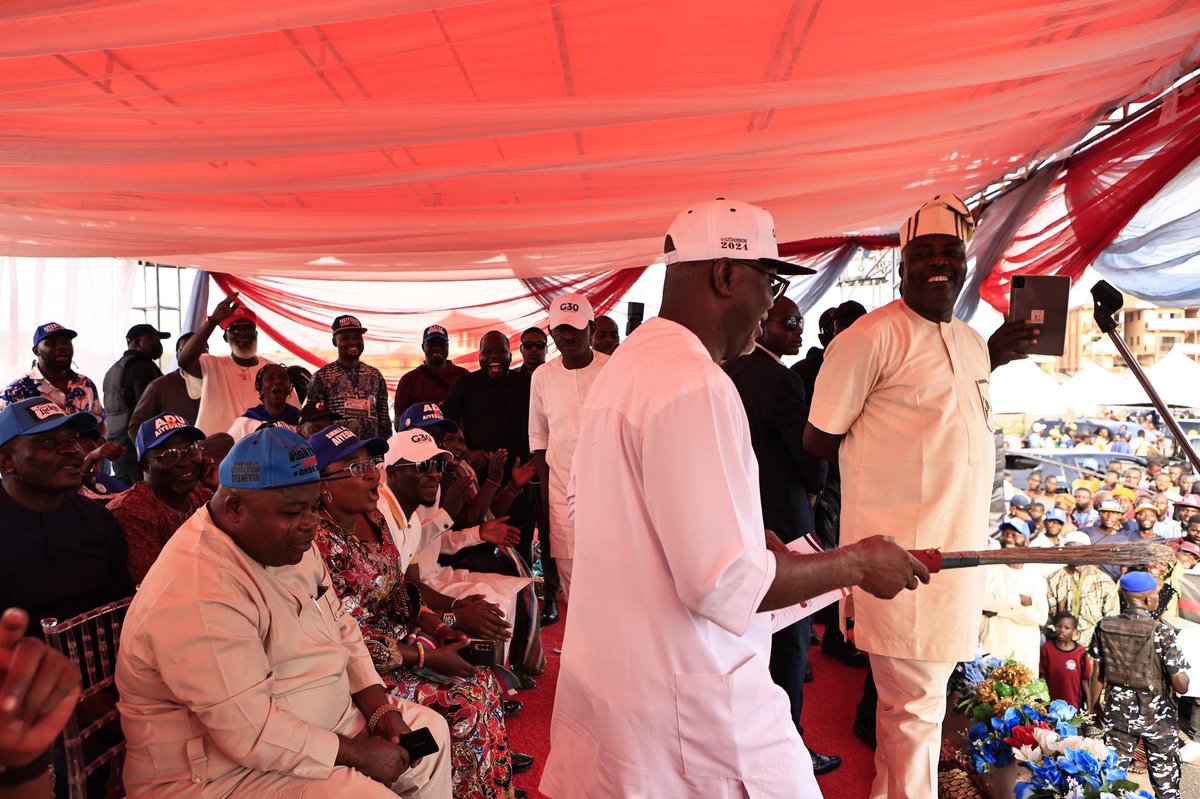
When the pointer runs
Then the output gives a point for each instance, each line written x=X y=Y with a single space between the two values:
x=1014 y=721
x=1072 y=767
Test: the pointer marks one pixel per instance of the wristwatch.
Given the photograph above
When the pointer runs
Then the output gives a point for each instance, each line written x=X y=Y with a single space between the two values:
x=19 y=775
x=450 y=620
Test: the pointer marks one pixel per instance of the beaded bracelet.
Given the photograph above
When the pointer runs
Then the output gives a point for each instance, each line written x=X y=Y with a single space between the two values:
x=378 y=715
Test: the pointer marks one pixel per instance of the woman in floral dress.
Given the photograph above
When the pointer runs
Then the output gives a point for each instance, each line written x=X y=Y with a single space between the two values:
x=415 y=653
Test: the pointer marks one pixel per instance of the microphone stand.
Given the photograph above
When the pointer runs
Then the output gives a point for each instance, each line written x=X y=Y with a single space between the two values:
x=1107 y=301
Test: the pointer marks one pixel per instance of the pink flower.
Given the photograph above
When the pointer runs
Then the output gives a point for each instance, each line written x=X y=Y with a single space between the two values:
x=1047 y=740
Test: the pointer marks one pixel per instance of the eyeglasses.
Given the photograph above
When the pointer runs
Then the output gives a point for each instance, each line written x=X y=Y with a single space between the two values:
x=533 y=345
x=778 y=284
x=791 y=323
x=436 y=464
x=170 y=457
x=357 y=469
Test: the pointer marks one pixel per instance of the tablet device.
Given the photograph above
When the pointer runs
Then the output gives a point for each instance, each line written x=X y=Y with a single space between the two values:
x=1042 y=299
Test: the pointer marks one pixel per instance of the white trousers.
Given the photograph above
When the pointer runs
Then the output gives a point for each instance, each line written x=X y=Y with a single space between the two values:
x=908 y=726
x=564 y=576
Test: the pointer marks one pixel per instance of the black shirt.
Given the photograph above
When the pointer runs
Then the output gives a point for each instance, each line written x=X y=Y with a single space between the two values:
x=494 y=413
x=777 y=411
x=60 y=563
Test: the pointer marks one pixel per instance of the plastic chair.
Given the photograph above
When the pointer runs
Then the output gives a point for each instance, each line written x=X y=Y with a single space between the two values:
x=91 y=641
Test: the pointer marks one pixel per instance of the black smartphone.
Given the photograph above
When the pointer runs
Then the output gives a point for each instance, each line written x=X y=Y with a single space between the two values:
x=419 y=743
x=479 y=653
x=1042 y=300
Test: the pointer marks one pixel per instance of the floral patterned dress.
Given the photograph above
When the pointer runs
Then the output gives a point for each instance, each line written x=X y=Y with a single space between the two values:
x=372 y=588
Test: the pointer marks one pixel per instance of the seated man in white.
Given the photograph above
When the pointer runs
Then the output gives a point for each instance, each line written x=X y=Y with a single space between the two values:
x=240 y=674
x=480 y=604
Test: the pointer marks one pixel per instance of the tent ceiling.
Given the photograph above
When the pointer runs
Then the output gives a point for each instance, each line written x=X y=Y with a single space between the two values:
x=450 y=138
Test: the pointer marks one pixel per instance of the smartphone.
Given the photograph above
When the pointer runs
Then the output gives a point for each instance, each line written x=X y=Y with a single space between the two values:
x=1042 y=299
x=419 y=743
x=480 y=653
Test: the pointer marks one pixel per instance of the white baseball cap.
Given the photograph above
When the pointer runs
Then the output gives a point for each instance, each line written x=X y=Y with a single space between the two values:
x=414 y=446
x=724 y=228
x=572 y=310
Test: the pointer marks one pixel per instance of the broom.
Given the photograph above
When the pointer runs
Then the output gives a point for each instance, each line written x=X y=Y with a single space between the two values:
x=1095 y=555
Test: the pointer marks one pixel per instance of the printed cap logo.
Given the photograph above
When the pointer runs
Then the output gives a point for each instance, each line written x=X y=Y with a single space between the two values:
x=167 y=423
x=339 y=435
x=422 y=438
x=46 y=410
x=569 y=306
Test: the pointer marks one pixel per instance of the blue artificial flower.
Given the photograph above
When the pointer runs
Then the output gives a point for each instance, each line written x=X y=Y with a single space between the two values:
x=1048 y=775
x=978 y=732
x=1065 y=730
x=1025 y=790
x=1031 y=715
x=1080 y=764
x=1062 y=711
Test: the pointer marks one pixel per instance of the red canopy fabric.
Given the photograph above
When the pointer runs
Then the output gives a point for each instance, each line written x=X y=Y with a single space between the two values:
x=443 y=139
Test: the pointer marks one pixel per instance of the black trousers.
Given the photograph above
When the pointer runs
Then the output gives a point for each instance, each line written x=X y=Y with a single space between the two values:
x=789 y=661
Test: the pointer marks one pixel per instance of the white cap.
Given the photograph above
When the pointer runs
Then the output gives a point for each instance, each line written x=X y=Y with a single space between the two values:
x=1076 y=537
x=572 y=310
x=413 y=446
x=726 y=229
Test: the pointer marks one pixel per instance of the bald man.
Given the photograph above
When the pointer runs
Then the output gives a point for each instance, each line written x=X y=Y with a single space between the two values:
x=664 y=689
x=241 y=674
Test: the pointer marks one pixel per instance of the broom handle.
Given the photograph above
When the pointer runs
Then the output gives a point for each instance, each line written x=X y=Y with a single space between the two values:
x=1107 y=302
x=935 y=560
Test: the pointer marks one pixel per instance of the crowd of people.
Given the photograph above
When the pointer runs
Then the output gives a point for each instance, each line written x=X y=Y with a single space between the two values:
x=335 y=585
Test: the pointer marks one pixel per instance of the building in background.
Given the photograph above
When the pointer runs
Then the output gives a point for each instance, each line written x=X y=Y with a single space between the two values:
x=1150 y=331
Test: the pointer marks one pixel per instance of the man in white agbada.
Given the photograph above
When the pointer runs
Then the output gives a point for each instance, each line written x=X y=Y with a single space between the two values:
x=664 y=690
x=902 y=402
x=421 y=531
x=1015 y=604
x=558 y=390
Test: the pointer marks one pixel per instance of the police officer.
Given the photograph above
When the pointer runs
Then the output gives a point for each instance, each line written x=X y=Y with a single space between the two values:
x=1139 y=662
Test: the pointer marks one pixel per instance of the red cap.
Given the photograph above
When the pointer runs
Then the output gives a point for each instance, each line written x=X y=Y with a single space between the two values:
x=242 y=314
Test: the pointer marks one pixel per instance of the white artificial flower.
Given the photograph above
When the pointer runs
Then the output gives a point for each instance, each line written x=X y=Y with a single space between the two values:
x=1047 y=740
x=1028 y=754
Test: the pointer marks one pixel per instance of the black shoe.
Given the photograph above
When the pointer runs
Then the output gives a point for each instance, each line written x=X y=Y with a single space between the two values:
x=522 y=763
x=511 y=707
x=823 y=764
x=848 y=655
x=808 y=676
x=864 y=733
x=550 y=612
x=519 y=794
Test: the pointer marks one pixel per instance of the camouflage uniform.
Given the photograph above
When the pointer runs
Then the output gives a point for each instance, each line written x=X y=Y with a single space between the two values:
x=1131 y=715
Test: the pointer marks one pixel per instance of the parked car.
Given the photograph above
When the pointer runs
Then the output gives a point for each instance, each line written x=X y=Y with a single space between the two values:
x=1066 y=464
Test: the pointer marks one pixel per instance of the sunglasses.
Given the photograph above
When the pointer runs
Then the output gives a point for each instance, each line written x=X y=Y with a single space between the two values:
x=170 y=457
x=778 y=284
x=533 y=345
x=435 y=464
x=791 y=323
x=357 y=469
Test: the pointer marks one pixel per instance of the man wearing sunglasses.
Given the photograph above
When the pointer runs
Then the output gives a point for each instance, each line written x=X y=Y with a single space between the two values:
x=533 y=350
x=170 y=455
x=664 y=687
x=788 y=475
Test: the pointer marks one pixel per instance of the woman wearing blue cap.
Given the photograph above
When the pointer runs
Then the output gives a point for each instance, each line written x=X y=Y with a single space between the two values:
x=415 y=652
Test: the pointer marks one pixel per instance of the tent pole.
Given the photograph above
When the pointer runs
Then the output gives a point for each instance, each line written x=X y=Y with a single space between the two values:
x=1107 y=301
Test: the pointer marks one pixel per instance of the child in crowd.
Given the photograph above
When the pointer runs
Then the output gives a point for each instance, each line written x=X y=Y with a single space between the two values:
x=1065 y=665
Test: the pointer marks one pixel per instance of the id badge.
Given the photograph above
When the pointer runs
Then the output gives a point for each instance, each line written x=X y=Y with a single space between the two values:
x=357 y=407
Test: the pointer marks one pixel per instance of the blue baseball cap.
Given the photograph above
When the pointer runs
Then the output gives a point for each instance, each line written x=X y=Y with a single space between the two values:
x=157 y=431
x=40 y=415
x=337 y=442
x=426 y=414
x=435 y=331
x=1016 y=524
x=347 y=322
x=269 y=458
x=1138 y=583
x=1056 y=515
x=51 y=329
